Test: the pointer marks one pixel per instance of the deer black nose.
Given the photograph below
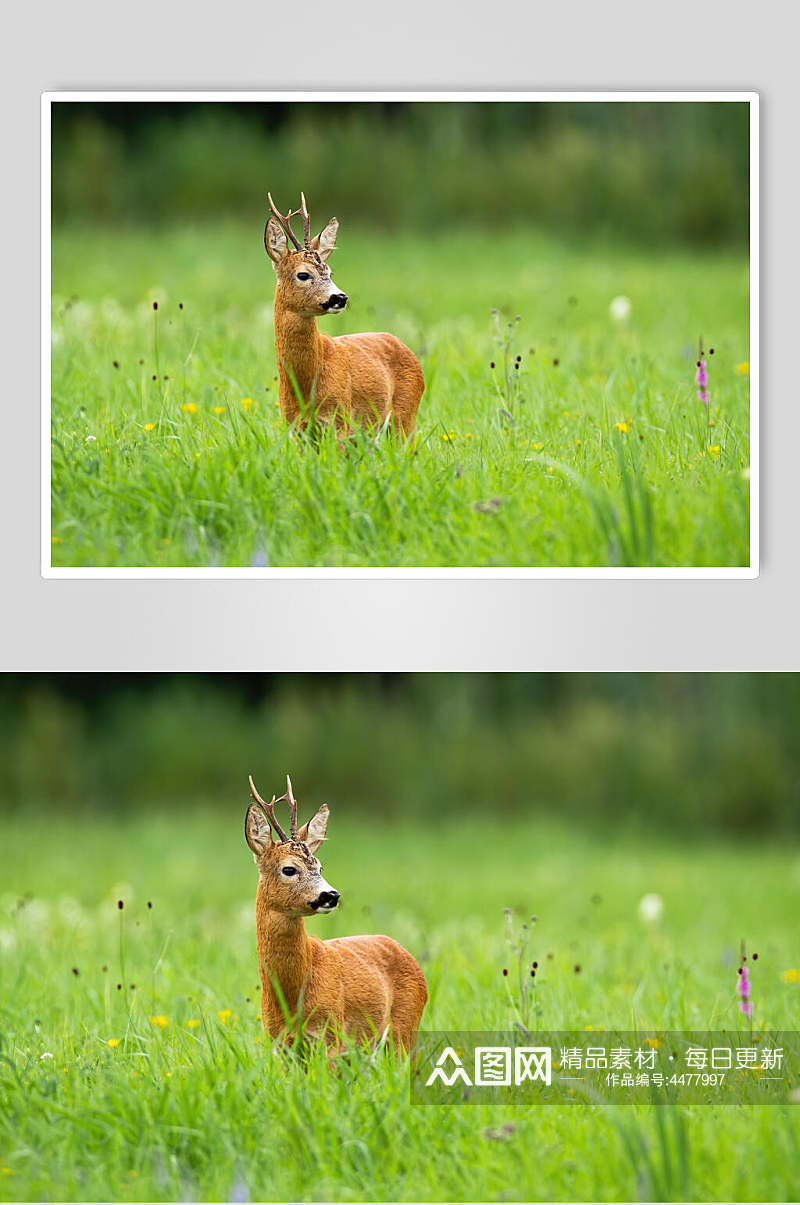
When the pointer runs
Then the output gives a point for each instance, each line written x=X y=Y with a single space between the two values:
x=326 y=899
x=336 y=301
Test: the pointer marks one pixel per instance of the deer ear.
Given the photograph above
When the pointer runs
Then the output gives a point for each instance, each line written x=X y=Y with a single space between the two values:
x=256 y=830
x=313 y=833
x=326 y=240
x=275 y=241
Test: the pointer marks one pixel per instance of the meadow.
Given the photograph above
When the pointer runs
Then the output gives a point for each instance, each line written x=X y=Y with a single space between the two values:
x=164 y=1088
x=585 y=444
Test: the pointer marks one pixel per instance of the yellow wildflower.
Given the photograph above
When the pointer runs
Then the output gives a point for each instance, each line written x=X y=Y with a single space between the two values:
x=713 y=451
x=449 y=436
x=791 y=976
x=161 y=1021
x=653 y=1043
x=247 y=402
x=189 y=407
x=549 y=468
x=743 y=369
x=112 y=1042
x=224 y=1015
x=623 y=428
x=220 y=409
x=6 y=1171
x=55 y=539
x=149 y=426
x=193 y=1024
x=537 y=447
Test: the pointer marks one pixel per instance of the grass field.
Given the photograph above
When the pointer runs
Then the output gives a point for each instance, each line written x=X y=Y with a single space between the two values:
x=169 y=450
x=101 y=1101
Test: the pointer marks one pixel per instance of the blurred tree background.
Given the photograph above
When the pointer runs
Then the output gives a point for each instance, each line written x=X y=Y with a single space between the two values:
x=652 y=172
x=682 y=754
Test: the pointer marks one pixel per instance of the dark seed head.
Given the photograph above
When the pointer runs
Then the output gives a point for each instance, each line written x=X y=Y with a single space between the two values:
x=105 y=968
x=149 y=903
x=491 y=364
x=120 y=904
x=739 y=971
x=711 y=351
x=154 y=376
x=133 y=987
x=155 y=305
x=698 y=363
x=116 y=363
x=180 y=305
x=577 y=968
x=533 y=974
x=755 y=958
x=535 y=966
x=75 y=971
x=556 y=362
x=119 y=987
x=505 y=970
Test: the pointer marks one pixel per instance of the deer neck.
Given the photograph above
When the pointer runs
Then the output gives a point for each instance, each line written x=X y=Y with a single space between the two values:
x=299 y=347
x=284 y=951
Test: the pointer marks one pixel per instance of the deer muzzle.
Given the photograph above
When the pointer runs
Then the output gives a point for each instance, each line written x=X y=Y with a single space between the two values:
x=335 y=303
x=326 y=901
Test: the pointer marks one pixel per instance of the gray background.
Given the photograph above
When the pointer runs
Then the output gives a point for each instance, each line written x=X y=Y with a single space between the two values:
x=400 y=624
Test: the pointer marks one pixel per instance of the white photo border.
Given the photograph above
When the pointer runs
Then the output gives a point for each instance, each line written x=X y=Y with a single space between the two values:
x=298 y=96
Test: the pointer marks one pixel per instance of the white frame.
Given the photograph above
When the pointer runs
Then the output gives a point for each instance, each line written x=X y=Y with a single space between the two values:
x=48 y=571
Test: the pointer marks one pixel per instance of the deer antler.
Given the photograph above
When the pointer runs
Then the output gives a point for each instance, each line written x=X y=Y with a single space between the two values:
x=306 y=223
x=290 y=799
x=284 y=221
x=289 y=795
x=269 y=809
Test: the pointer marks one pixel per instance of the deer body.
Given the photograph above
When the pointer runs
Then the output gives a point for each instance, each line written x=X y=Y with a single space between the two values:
x=365 y=986
x=370 y=378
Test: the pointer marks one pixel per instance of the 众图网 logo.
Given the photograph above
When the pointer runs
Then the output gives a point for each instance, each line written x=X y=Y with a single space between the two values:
x=494 y=1065
x=615 y=1067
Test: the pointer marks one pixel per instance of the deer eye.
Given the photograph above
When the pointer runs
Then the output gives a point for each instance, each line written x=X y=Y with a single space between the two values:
x=289 y=871
x=304 y=276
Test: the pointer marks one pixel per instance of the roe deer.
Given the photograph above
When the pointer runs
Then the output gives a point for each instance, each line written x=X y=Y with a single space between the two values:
x=370 y=378
x=363 y=986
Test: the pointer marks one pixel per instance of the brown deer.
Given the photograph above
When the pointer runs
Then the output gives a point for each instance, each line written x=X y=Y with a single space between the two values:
x=372 y=379
x=366 y=987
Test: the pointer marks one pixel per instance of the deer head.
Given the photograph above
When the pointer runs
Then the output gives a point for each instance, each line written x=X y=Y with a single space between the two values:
x=304 y=278
x=287 y=865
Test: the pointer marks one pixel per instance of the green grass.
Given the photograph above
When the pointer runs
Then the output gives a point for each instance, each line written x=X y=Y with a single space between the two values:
x=205 y=1113
x=532 y=470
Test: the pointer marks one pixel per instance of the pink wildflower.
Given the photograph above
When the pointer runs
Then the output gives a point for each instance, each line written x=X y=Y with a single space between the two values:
x=743 y=988
x=702 y=374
